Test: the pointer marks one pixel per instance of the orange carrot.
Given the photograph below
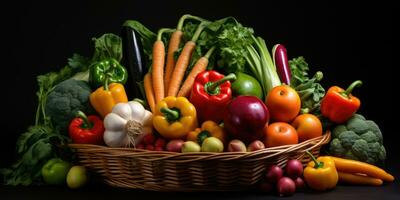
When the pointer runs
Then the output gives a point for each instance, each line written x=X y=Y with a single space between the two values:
x=353 y=166
x=158 y=67
x=148 y=88
x=183 y=62
x=200 y=66
x=356 y=179
x=172 y=48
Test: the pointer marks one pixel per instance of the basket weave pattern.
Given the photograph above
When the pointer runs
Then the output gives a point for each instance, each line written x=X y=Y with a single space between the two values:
x=168 y=171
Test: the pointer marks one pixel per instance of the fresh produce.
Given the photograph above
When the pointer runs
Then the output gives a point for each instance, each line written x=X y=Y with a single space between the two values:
x=183 y=62
x=126 y=124
x=307 y=126
x=357 y=179
x=274 y=174
x=55 y=171
x=210 y=95
x=65 y=100
x=357 y=167
x=86 y=129
x=320 y=174
x=286 y=186
x=109 y=69
x=200 y=66
x=77 y=177
x=281 y=63
x=246 y=85
x=339 y=105
x=358 y=139
x=245 y=117
x=175 y=145
x=255 y=146
x=294 y=169
x=280 y=133
x=149 y=92
x=283 y=103
x=190 y=146
x=133 y=60
x=236 y=146
x=175 y=117
x=208 y=129
x=300 y=184
x=309 y=89
x=105 y=98
x=212 y=144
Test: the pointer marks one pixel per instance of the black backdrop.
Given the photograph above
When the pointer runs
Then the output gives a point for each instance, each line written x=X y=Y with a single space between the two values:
x=346 y=41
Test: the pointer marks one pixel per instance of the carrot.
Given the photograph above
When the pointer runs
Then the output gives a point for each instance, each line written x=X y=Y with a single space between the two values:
x=158 y=66
x=353 y=166
x=200 y=66
x=356 y=179
x=183 y=62
x=148 y=88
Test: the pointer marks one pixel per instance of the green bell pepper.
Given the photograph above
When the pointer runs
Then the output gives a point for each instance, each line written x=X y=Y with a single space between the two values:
x=108 y=68
x=246 y=85
x=55 y=171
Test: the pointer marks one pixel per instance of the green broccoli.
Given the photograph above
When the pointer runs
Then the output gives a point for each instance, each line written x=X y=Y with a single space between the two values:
x=65 y=100
x=358 y=139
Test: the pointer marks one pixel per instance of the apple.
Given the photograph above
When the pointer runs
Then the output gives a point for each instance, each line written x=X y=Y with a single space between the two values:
x=212 y=144
x=77 y=177
x=190 y=146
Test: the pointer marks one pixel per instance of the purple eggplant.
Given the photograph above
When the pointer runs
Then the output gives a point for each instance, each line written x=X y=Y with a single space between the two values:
x=281 y=63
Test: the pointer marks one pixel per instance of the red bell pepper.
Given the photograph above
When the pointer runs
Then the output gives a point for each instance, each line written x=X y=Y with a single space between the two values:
x=86 y=130
x=210 y=95
x=339 y=105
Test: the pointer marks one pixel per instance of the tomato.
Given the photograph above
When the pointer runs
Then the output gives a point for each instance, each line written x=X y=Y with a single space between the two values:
x=280 y=133
x=308 y=126
x=283 y=103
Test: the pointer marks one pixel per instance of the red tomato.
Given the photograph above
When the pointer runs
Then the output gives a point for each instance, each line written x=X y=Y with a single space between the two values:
x=308 y=126
x=280 y=133
x=283 y=103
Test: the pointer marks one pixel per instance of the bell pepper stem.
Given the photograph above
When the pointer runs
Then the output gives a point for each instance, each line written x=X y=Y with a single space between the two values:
x=171 y=114
x=348 y=91
x=202 y=136
x=317 y=164
x=212 y=88
x=86 y=123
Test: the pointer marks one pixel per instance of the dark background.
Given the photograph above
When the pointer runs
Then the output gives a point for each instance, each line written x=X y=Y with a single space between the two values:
x=347 y=41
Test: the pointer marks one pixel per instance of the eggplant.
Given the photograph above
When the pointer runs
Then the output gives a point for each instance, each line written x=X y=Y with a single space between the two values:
x=133 y=61
x=281 y=63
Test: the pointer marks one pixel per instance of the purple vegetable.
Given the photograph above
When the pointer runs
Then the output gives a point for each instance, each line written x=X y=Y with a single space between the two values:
x=281 y=63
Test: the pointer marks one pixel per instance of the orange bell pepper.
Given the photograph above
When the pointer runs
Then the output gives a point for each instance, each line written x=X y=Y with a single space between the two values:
x=208 y=129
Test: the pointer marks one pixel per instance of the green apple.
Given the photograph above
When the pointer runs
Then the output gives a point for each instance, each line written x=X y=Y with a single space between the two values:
x=190 y=146
x=77 y=177
x=212 y=144
x=55 y=171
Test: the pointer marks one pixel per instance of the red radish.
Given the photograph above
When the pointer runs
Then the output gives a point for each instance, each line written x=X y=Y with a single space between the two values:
x=160 y=142
x=300 y=184
x=281 y=63
x=149 y=147
x=274 y=173
x=286 y=186
x=256 y=145
x=148 y=138
x=294 y=168
x=175 y=145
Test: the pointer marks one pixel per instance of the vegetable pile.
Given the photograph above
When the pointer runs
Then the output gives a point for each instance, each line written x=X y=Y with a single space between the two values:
x=202 y=86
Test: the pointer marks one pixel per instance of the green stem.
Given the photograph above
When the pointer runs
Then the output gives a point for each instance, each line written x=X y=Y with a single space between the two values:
x=163 y=30
x=199 y=29
x=171 y=114
x=317 y=164
x=212 y=88
x=141 y=101
x=209 y=52
x=187 y=16
x=202 y=136
x=86 y=123
x=106 y=84
x=348 y=91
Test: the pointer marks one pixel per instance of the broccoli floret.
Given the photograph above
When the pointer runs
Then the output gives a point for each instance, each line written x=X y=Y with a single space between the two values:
x=348 y=138
x=338 y=130
x=65 y=100
x=357 y=125
x=359 y=139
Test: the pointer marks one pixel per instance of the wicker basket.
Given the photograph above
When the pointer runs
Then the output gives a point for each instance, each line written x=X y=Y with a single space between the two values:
x=168 y=171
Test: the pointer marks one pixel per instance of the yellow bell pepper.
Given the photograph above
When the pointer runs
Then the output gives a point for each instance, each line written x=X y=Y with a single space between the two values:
x=208 y=129
x=321 y=174
x=105 y=97
x=174 y=117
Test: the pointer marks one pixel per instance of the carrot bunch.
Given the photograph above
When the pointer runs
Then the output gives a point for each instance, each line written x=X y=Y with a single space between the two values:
x=160 y=82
